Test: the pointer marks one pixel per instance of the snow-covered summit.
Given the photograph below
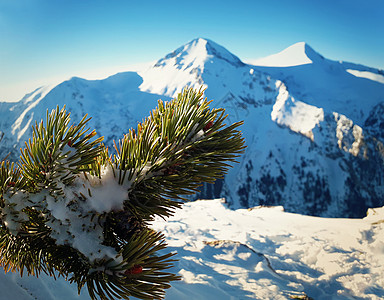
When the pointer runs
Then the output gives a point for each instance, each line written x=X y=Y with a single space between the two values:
x=197 y=52
x=186 y=65
x=297 y=54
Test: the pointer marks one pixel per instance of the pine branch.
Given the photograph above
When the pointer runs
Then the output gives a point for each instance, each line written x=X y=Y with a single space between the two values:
x=182 y=144
x=58 y=152
x=70 y=209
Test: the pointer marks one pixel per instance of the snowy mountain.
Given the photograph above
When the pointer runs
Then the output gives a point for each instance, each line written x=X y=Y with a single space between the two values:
x=346 y=88
x=247 y=254
x=312 y=125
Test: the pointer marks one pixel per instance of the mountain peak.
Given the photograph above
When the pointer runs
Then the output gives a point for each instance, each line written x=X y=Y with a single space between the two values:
x=297 y=54
x=201 y=50
x=186 y=65
x=220 y=52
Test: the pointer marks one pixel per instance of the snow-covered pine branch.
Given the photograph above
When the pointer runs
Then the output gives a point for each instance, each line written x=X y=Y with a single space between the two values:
x=70 y=208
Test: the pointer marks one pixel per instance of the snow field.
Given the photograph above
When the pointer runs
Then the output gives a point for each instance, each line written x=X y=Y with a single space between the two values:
x=259 y=253
x=266 y=253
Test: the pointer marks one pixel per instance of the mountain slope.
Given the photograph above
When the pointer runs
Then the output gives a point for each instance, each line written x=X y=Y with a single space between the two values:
x=115 y=105
x=312 y=130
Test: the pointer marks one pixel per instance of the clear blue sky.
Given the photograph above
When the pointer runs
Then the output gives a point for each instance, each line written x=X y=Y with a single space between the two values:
x=45 y=39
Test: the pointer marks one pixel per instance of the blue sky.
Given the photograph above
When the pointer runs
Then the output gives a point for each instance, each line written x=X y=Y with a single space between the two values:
x=41 y=40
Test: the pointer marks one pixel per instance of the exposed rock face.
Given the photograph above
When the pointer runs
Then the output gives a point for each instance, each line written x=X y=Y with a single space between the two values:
x=374 y=124
x=314 y=131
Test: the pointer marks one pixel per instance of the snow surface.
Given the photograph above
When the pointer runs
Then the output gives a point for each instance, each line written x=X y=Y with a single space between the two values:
x=259 y=253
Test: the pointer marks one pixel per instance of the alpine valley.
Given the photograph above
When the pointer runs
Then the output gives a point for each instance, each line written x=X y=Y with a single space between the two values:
x=313 y=126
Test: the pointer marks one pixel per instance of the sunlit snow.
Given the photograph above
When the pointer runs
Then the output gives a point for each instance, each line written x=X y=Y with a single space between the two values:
x=296 y=115
x=260 y=253
x=34 y=98
x=367 y=75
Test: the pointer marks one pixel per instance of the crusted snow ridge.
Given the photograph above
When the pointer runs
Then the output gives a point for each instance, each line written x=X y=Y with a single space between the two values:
x=296 y=115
